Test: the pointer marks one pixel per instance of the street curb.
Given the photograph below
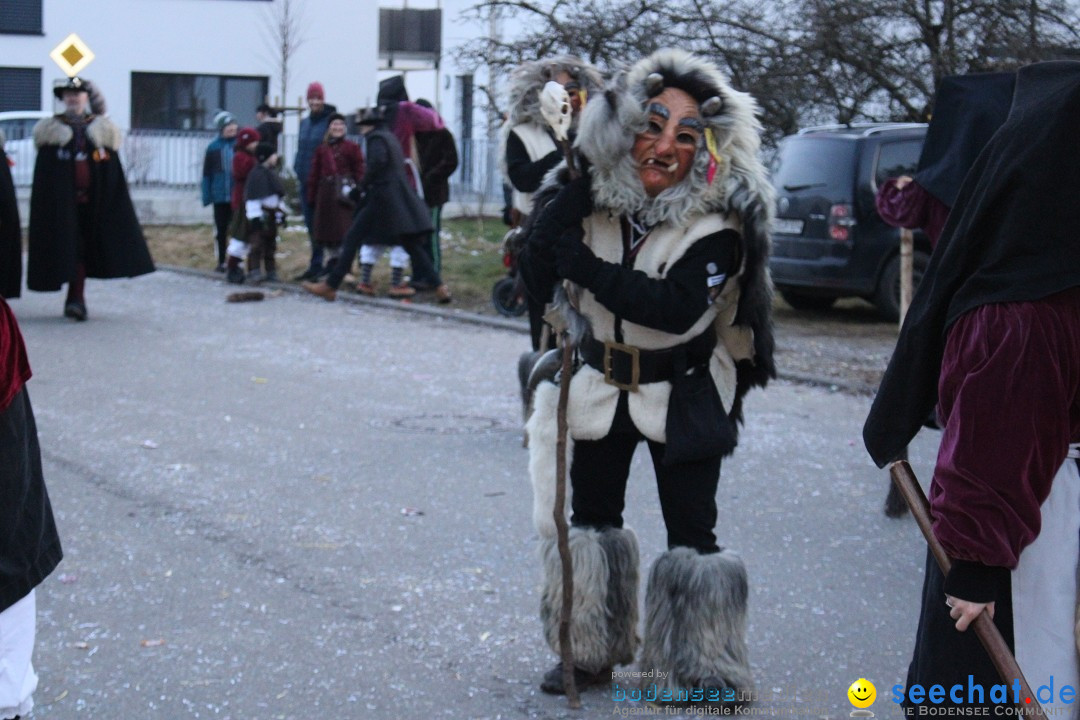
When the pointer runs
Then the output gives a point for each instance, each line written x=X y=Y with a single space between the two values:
x=496 y=323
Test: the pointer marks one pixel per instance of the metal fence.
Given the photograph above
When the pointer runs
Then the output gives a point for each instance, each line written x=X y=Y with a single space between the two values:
x=174 y=159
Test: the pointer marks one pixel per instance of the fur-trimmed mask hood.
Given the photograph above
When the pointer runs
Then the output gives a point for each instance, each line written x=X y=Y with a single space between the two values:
x=607 y=131
x=100 y=131
x=529 y=78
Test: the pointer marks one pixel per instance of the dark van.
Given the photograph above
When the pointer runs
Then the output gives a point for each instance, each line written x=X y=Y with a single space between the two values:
x=828 y=240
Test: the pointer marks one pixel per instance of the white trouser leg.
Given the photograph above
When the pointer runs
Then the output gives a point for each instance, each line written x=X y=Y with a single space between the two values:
x=17 y=677
x=1044 y=596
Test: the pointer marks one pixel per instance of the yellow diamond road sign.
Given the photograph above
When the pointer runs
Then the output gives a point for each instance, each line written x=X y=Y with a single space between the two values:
x=72 y=55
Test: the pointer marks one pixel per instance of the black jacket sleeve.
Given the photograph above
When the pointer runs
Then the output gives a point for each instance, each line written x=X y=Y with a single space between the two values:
x=526 y=175
x=676 y=301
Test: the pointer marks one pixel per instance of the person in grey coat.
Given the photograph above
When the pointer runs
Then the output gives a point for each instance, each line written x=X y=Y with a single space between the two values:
x=389 y=211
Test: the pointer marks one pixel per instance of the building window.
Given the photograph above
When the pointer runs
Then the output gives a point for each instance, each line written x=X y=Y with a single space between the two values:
x=20 y=88
x=20 y=17
x=166 y=101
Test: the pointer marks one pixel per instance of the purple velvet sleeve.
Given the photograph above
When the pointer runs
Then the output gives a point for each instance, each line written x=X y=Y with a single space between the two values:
x=911 y=207
x=1009 y=397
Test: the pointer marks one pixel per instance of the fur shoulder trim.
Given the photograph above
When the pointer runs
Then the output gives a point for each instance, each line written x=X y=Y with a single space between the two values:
x=104 y=133
x=52 y=131
x=101 y=131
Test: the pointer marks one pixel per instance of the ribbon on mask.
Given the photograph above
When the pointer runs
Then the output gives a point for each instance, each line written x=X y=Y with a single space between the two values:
x=715 y=159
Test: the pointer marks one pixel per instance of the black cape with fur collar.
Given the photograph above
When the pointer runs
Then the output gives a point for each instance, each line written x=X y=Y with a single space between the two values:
x=10 y=234
x=116 y=247
x=1011 y=237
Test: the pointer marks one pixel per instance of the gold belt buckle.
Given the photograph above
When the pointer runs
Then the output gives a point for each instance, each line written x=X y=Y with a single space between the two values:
x=635 y=365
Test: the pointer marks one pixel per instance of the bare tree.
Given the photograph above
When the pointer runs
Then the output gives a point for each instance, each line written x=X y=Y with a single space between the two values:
x=804 y=60
x=285 y=30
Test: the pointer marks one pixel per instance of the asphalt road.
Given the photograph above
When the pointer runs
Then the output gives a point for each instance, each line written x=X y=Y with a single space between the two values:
x=298 y=509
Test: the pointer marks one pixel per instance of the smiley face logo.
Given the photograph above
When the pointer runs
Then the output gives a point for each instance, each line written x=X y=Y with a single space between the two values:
x=862 y=693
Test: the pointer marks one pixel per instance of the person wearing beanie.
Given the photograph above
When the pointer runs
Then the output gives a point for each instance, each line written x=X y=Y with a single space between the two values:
x=390 y=212
x=336 y=169
x=247 y=139
x=217 y=180
x=82 y=220
x=312 y=131
x=438 y=159
x=662 y=242
x=264 y=210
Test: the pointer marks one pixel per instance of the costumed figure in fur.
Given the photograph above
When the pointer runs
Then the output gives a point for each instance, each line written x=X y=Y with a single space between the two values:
x=528 y=149
x=82 y=221
x=659 y=250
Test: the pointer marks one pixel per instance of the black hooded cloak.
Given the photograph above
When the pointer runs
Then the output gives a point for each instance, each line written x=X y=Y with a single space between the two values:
x=1011 y=237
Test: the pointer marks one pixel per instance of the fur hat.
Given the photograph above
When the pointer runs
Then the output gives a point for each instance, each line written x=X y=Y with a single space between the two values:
x=315 y=90
x=264 y=150
x=246 y=136
x=75 y=84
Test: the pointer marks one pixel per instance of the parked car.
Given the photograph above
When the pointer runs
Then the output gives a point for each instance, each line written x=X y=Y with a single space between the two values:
x=17 y=127
x=828 y=239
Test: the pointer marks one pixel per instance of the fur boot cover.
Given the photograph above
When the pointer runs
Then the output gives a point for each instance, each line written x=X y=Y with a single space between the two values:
x=695 y=627
x=603 y=625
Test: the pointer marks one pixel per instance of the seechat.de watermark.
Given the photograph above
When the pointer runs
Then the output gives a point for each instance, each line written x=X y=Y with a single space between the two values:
x=973 y=699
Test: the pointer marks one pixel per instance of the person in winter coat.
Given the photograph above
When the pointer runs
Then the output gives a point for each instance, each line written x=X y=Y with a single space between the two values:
x=390 y=212
x=243 y=163
x=217 y=181
x=268 y=123
x=82 y=221
x=29 y=542
x=438 y=158
x=659 y=252
x=312 y=132
x=336 y=170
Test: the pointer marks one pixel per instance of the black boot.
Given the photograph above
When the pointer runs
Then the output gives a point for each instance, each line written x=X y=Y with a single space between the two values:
x=552 y=683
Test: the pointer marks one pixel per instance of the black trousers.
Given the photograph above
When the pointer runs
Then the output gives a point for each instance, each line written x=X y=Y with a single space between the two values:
x=360 y=231
x=943 y=655
x=598 y=474
x=222 y=218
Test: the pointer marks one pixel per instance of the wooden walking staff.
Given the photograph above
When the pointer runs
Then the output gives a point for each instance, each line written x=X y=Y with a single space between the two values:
x=555 y=107
x=984 y=627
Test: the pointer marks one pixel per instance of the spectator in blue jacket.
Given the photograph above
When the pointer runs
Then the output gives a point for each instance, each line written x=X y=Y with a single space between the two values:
x=312 y=132
x=217 y=181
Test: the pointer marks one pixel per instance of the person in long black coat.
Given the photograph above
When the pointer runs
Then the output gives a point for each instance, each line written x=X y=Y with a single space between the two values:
x=10 y=232
x=390 y=212
x=82 y=221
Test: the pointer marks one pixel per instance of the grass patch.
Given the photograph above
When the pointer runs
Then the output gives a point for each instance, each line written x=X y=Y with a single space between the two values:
x=471 y=247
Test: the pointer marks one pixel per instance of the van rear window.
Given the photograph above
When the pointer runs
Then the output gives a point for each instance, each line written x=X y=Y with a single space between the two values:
x=821 y=164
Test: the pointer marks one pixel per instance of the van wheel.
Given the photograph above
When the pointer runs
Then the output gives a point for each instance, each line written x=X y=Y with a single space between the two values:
x=802 y=301
x=887 y=297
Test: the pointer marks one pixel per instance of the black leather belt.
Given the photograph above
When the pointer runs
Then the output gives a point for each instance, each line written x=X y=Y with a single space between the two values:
x=626 y=366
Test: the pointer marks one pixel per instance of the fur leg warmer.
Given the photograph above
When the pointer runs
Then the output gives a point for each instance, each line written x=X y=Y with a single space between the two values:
x=695 y=623
x=603 y=626
x=542 y=431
